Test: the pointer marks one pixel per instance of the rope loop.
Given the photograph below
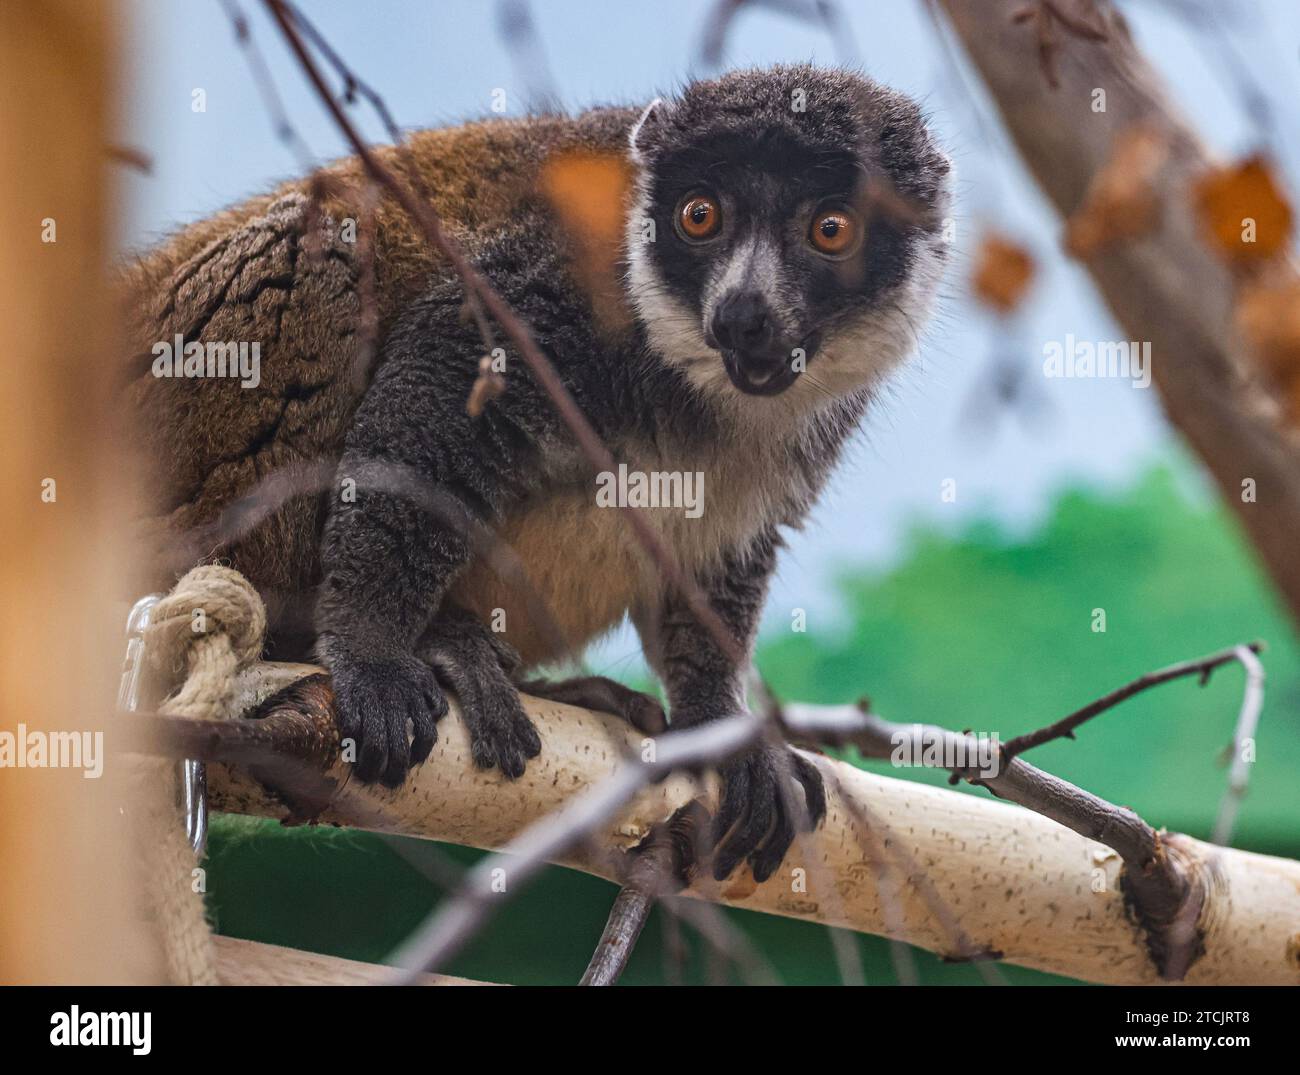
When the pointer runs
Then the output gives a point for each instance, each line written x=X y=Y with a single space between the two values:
x=208 y=602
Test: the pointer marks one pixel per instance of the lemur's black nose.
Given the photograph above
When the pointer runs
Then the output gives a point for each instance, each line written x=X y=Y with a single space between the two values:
x=741 y=322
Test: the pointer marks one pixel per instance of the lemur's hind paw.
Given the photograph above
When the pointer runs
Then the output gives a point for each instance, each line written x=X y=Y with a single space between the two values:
x=474 y=666
x=501 y=734
x=643 y=711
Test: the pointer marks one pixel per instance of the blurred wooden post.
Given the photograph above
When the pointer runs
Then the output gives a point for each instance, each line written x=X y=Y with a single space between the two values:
x=67 y=899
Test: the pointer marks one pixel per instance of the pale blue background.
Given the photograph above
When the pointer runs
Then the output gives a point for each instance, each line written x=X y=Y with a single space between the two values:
x=438 y=63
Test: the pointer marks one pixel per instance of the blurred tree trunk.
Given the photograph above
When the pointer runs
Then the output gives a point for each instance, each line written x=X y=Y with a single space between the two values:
x=67 y=896
x=1167 y=286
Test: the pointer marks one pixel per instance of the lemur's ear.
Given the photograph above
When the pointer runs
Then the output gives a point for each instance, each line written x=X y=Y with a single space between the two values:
x=652 y=116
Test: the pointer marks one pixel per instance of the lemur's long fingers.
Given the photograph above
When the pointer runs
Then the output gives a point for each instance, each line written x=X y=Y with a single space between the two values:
x=814 y=789
x=425 y=725
x=792 y=767
x=767 y=858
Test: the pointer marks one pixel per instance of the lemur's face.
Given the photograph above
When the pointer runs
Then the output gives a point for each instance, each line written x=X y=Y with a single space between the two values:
x=774 y=259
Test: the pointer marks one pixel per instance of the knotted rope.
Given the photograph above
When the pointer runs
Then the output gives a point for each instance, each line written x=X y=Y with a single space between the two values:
x=201 y=634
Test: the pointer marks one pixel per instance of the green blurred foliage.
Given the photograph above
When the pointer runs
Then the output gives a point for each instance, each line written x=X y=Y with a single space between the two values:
x=976 y=631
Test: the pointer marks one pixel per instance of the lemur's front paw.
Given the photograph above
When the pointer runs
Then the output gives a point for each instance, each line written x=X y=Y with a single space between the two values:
x=500 y=733
x=756 y=819
x=389 y=707
x=474 y=665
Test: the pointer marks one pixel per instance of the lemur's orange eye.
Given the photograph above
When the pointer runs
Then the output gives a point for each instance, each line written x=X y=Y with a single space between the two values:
x=834 y=231
x=699 y=216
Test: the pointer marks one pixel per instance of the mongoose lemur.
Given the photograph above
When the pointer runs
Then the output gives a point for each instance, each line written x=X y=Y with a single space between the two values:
x=736 y=324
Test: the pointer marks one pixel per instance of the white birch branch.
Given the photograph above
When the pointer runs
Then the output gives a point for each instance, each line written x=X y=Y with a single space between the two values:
x=1020 y=885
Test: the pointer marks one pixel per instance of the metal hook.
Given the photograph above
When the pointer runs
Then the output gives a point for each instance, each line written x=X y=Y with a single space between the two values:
x=194 y=776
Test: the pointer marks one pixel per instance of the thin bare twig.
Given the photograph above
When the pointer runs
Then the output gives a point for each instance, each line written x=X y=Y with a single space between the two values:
x=1064 y=728
x=519 y=32
x=352 y=83
x=659 y=865
x=713 y=38
x=628 y=916
x=353 y=86
x=1161 y=893
x=1247 y=720
x=131 y=157
x=723 y=938
x=280 y=122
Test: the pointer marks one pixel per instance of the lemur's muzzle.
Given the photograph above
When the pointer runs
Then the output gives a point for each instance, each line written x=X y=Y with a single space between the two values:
x=757 y=359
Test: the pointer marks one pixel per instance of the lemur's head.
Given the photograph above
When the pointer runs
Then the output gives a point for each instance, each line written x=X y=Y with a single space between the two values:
x=798 y=230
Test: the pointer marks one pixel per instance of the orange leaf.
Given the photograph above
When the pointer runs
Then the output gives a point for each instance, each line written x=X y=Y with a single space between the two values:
x=588 y=192
x=1268 y=315
x=1003 y=273
x=1244 y=212
x=1122 y=200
